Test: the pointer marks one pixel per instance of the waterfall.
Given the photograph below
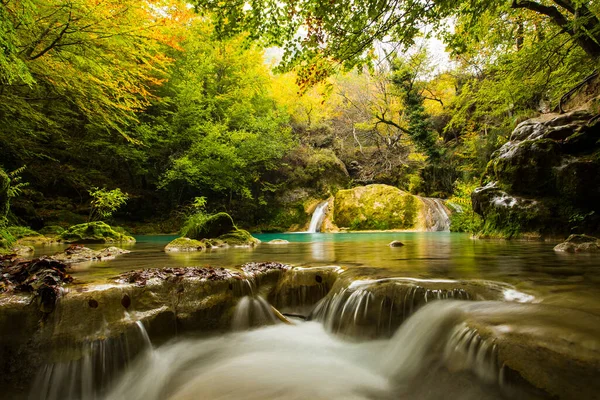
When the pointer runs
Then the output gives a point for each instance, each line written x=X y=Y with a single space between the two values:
x=252 y=312
x=283 y=362
x=376 y=308
x=437 y=217
x=318 y=217
x=100 y=363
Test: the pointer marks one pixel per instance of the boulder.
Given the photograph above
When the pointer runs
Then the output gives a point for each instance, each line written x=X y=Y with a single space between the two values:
x=94 y=232
x=211 y=227
x=579 y=244
x=384 y=207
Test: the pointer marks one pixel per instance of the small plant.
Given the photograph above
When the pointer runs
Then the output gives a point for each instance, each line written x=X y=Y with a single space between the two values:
x=105 y=202
x=16 y=185
x=196 y=215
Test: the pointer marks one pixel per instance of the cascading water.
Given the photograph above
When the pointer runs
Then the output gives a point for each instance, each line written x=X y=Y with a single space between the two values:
x=304 y=361
x=437 y=218
x=85 y=377
x=318 y=217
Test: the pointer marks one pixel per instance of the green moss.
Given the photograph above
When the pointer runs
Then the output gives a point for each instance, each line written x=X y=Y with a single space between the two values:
x=19 y=232
x=94 y=232
x=376 y=207
x=185 y=245
x=239 y=237
x=52 y=230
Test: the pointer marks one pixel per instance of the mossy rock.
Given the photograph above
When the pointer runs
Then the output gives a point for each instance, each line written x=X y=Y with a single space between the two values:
x=52 y=230
x=94 y=232
x=376 y=207
x=185 y=245
x=212 y=227
x=239 y=237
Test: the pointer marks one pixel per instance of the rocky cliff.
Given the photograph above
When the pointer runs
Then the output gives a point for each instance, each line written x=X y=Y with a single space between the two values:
x=545 y=180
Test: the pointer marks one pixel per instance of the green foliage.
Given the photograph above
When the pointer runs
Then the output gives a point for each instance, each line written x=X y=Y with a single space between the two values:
x=51 y=230
x=16 y=185
x=19 y=232
x=105 y=202
x=463 y=218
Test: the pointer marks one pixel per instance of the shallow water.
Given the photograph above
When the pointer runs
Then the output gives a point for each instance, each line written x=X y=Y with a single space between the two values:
x=532 y=267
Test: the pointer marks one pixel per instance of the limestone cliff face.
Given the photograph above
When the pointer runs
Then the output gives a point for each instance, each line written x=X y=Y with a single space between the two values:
x=383 y=207
x=546 y=179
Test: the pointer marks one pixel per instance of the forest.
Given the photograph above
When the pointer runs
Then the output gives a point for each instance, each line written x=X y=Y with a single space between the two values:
x=258 y=107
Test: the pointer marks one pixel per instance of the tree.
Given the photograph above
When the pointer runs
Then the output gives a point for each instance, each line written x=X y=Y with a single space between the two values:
x=330 y=34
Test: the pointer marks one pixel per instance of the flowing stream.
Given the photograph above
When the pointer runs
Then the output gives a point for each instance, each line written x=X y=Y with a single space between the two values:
x=419 y=322
x=305 y=362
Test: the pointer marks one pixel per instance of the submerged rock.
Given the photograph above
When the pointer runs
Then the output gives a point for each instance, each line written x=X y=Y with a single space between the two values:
x=278 y=241
x=77 y=253
x=94 y=232
x=396 y=243
x=579 y=244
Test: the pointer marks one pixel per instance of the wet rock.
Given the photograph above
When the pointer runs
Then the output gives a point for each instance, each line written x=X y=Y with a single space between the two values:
x=141 y=277
x=77 y=253
x=43 y=277
x=94 y=232
x=22 y=250
x=299 y=289
x=579 y=244
x=262 y=267
x=554 y=349
x=396 y=243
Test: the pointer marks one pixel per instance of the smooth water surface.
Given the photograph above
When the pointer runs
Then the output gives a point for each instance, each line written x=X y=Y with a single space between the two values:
x=533 y=267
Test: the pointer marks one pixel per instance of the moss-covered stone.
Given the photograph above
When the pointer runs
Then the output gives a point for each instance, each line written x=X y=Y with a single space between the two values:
x=185 y=245
x=94 y=232
x=376 y=207
x=239 y=237
x=210 y=227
